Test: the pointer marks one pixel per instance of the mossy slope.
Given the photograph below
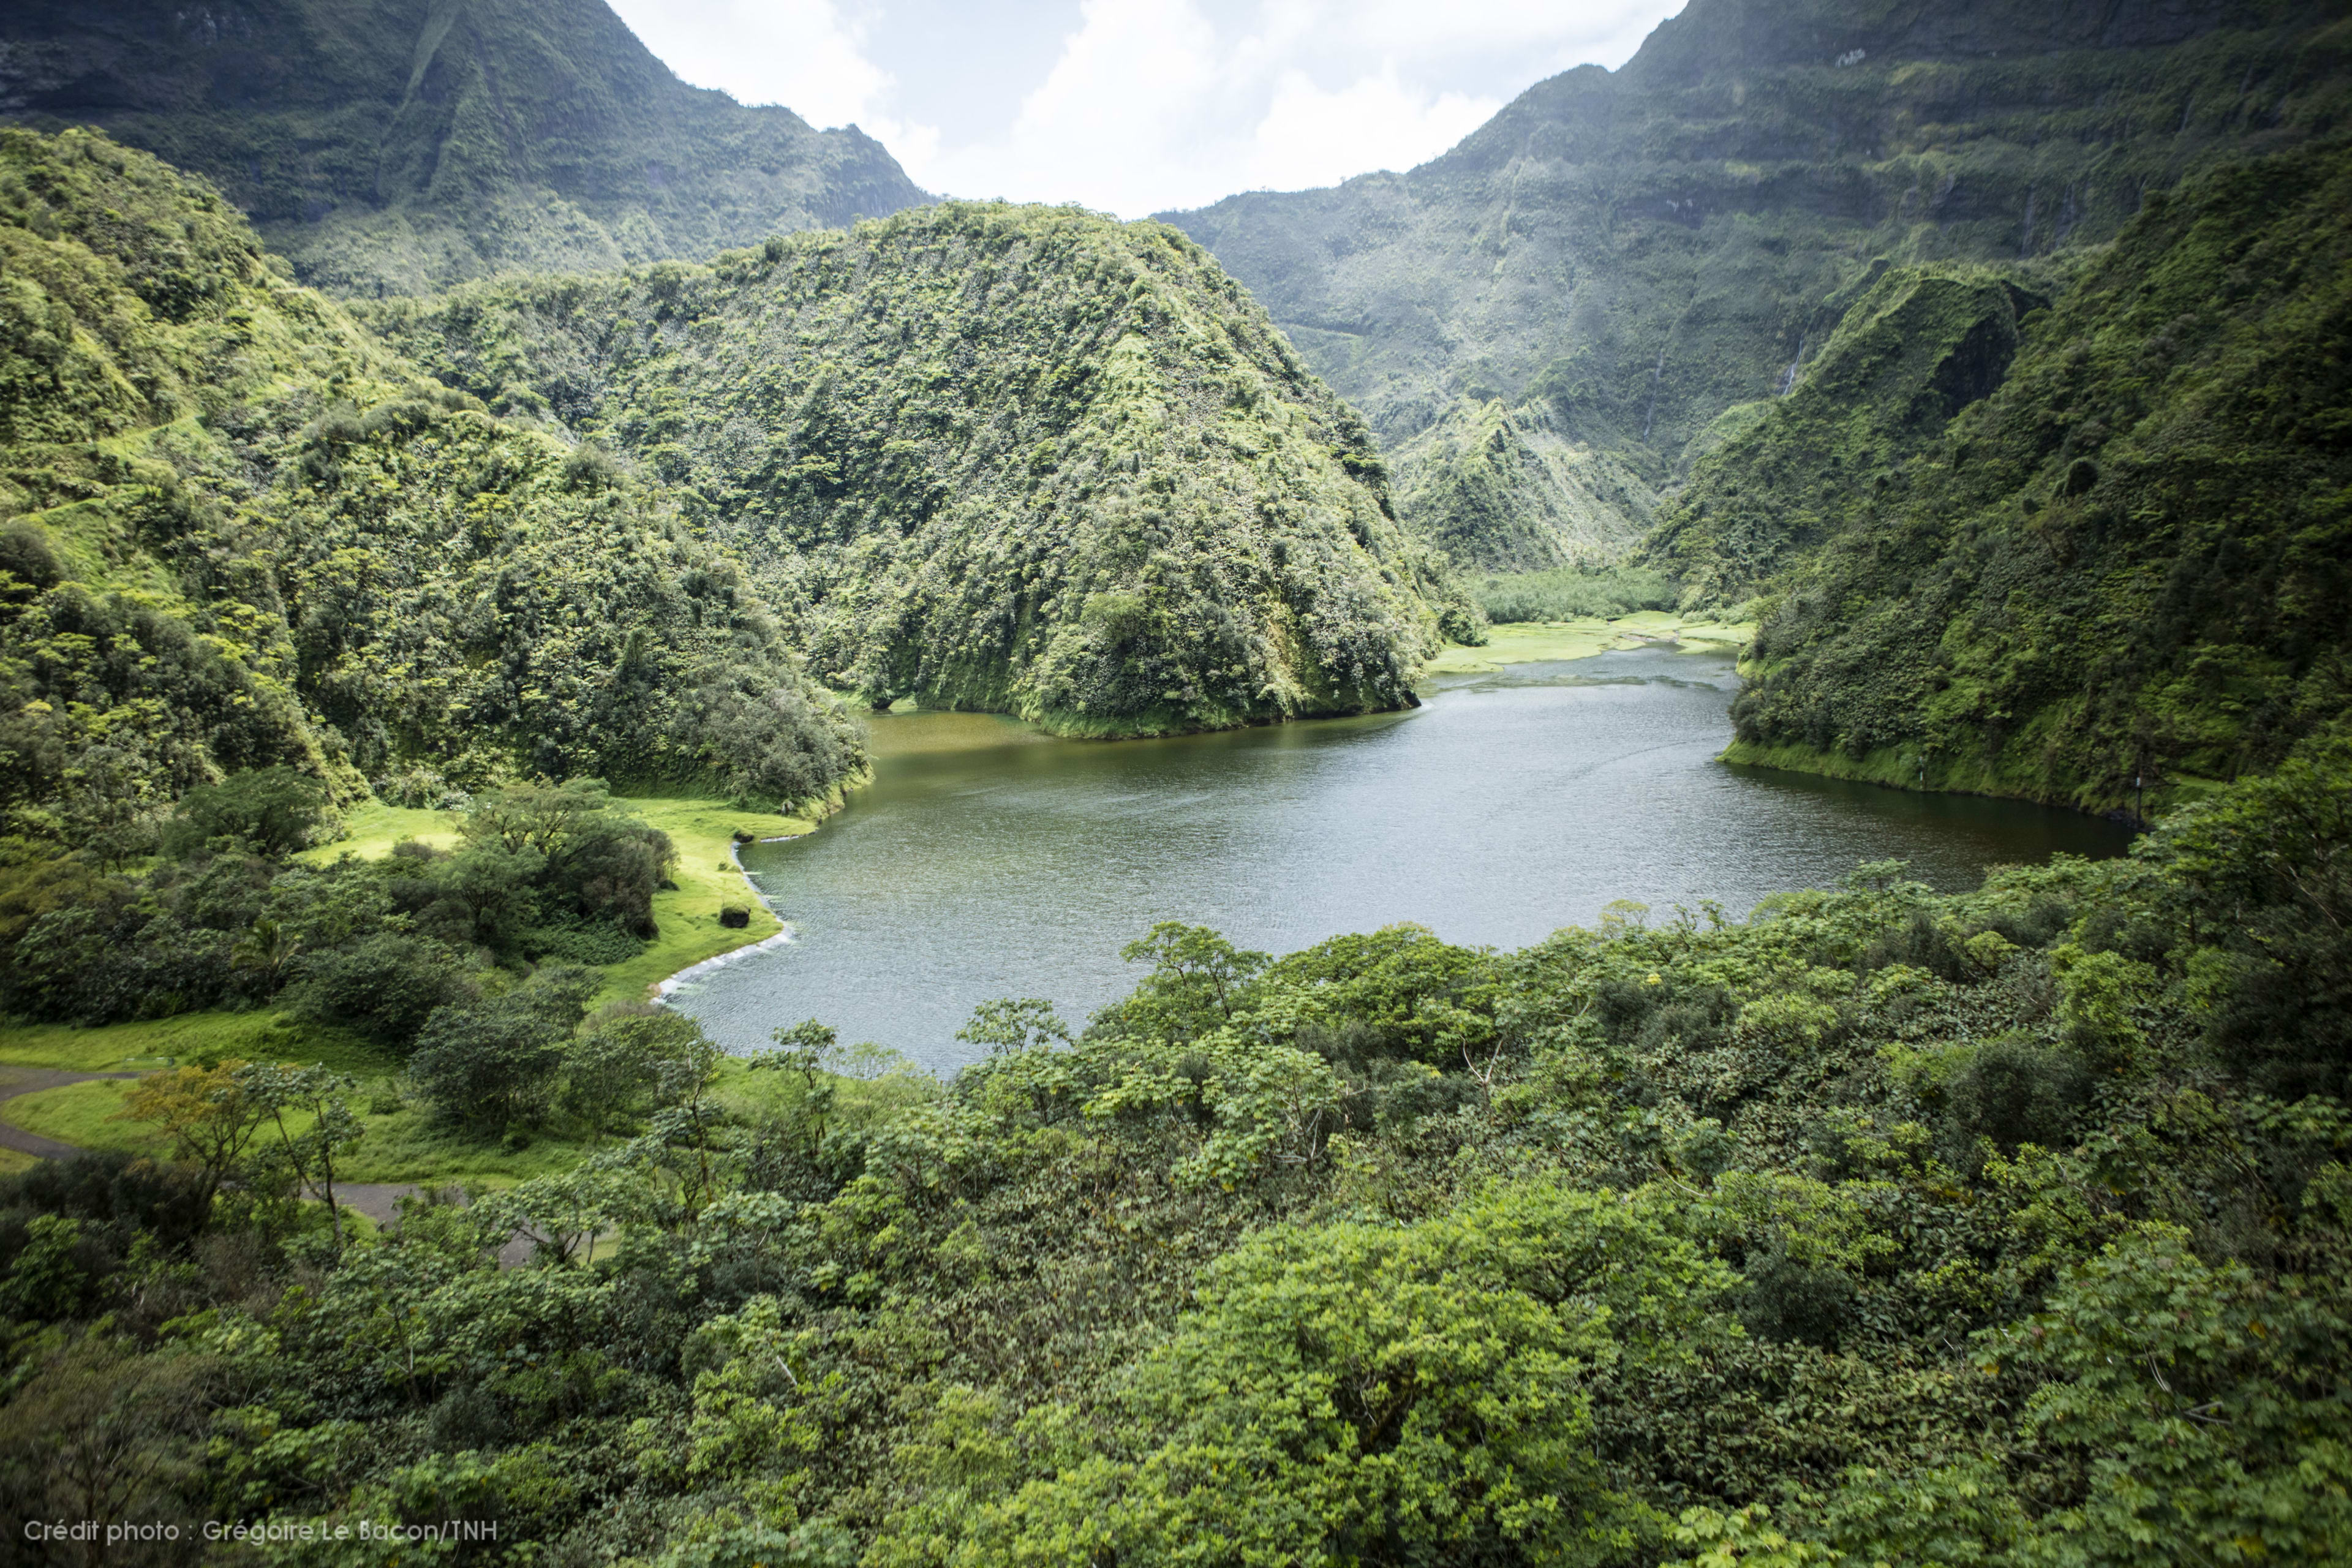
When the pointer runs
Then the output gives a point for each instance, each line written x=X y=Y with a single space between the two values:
x=1027 y=461
x=2129 y=561
x=240 y=534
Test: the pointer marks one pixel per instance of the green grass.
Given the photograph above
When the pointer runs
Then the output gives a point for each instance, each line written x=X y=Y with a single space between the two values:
x=82 y=1114
x=169 y=1042
x=408 y=1146
x=1543 y=641
x=15 y=1161
x=373 y=830
x=703 y=831
x=707 y=878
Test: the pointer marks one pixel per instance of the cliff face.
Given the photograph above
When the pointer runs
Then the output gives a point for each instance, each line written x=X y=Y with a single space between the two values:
x=1619 y=258
x=403 y=146
x=2128 y=562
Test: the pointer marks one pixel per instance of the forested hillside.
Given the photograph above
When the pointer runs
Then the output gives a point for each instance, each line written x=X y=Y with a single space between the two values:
x=1014 y=459
x=2128 y=563
x=2008 y=1228
x=239 y=534
x=1621 y=258
x=404 y=145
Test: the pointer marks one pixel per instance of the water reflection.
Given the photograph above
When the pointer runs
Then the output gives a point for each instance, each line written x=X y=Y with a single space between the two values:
x=986 y=861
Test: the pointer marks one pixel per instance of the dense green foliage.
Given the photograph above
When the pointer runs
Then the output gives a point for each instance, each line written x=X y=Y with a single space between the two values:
x=404 y=145
x=2126 y=563
x=539 y=873
x=1883 y=1226
x=239 y=536
x=1016 y=459
x=1501 y=492
x=1622 y=258
x=1919 y=345
x=1567 y=595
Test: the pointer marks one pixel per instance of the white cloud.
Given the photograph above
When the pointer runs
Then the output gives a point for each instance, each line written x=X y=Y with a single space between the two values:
x=802 y=54
x=1311 y=137
x=1154 y=104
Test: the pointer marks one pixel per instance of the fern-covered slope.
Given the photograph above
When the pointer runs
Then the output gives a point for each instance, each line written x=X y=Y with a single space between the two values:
x=1020 y=459
x=405 y=144
x=1917 y=346
x=2132 y=561
x=238 y=533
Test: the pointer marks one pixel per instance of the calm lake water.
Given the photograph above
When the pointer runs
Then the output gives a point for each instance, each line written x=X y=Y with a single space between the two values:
x=987 y=860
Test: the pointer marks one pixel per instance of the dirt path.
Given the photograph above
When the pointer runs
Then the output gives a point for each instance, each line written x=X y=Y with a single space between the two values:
x=380 y=1201
x=14 y=1081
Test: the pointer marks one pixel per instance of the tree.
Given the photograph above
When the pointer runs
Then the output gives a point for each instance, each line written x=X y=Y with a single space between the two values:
x=1196 y=984
x=489 y=1062
x=272 y=812
x=319 y=1092
x=628 y=1061
x=206 y=1111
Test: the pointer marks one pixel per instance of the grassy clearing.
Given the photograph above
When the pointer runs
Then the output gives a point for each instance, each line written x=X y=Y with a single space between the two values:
x=1536 y=642
x=373 y=830
x=82 y=1114
x=707 y=879
x=170 y=1042
x=407 y=1145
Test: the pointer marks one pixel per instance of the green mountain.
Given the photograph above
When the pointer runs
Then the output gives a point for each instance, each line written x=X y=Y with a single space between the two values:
x=1502 y=490
x=1619 y=258
x=403 y=145
x=240 y=534
x=1014 y=459
x=2128 y=562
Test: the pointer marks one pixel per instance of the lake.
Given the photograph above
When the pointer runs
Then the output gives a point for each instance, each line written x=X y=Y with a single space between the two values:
x=988 y=860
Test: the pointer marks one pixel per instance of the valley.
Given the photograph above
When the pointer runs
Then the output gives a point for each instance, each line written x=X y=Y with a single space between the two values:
x=1630 y=849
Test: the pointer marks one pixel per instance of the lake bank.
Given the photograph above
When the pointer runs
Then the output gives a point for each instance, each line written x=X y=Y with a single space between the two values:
x=987 y=860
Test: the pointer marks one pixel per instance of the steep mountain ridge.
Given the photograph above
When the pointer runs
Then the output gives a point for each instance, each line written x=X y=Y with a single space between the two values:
x=2115 y=581
x=1017 y=459
x=403 y=146
x=1624 y=257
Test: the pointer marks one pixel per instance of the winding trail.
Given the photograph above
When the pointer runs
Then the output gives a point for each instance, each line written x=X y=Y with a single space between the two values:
x=380 y=1201
x=14 y=1081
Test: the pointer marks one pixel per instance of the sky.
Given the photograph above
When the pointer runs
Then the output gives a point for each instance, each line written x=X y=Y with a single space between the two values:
x=1140 y=106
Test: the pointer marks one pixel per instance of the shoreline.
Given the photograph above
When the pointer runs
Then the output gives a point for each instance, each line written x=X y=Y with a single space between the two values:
x=780 y=937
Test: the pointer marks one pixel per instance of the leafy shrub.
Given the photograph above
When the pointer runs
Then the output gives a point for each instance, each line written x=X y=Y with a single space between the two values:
x=2014 y=1092
x=488 y=1061
x=267 y=811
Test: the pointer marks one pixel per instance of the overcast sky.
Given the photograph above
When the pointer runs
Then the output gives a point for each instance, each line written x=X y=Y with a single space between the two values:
x=1139 y=106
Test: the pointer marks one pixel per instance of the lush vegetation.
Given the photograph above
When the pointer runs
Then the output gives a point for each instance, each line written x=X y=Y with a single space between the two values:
x=1568 y=596
x=401 y=147
x=1021 y=460
x=2008 y=1227
x=240 y=535
x=1622 y=258
x=2126 y=563
x=1502 y=491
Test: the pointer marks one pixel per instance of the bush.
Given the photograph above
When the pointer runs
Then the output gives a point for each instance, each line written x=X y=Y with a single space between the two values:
x=489 y=1062
x=2013 y=1093
x=268 y=811
x=383 y=985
